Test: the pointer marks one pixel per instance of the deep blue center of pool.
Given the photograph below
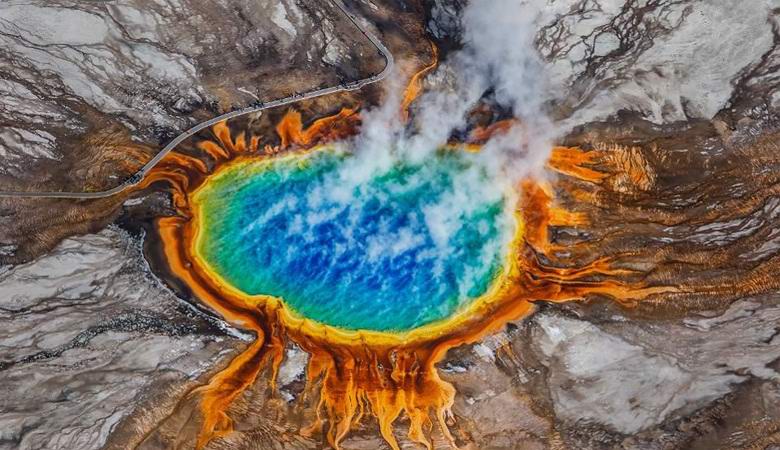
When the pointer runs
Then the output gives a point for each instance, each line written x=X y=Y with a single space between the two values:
x=406 y=246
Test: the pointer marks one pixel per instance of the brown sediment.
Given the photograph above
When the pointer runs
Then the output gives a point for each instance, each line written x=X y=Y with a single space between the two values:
x=109 y=151
x=360 y=373
x=701 y=221
x=36 y=225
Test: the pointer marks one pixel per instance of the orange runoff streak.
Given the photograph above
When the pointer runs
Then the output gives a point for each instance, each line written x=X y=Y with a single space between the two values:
x=414 y=87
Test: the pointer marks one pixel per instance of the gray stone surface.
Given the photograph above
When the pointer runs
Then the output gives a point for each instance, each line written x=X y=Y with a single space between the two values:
x=86 y=333
x=631 y=376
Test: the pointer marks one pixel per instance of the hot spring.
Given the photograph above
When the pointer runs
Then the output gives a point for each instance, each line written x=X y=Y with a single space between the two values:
x=400 y=245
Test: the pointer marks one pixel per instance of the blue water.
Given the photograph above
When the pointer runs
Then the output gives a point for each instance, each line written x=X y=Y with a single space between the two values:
x=407 y=247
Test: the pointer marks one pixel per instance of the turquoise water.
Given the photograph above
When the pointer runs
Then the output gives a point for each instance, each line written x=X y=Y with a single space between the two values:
x=402 y=248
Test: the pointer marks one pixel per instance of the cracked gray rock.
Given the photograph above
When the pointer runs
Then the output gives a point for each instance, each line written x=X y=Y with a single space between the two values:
x=663 y=60
x=631 y=376
x=85 y=333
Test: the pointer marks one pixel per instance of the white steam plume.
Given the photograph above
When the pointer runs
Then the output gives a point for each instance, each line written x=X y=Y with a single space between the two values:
x=498 y=53
x=499 y=49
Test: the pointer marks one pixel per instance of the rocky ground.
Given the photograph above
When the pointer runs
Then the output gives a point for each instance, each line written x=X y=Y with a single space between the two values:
x=87 y=333
x=96 y=346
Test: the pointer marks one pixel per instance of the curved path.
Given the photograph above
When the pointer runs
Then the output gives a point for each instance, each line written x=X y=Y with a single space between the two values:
x=138 y=176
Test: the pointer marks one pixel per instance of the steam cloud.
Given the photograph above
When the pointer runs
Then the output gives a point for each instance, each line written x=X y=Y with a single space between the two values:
x=498 y=54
